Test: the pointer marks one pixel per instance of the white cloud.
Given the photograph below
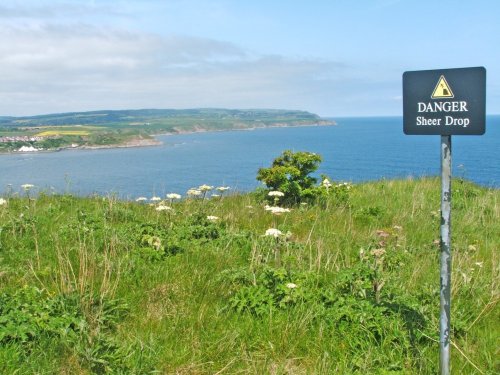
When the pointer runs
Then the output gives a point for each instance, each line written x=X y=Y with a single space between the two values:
x=29 y=9
x=80 y=55
x=46 y=68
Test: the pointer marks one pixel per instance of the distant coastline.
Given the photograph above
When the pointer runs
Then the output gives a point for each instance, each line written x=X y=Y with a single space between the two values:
x=356 y=150
x=140 y=141
x=136 y=128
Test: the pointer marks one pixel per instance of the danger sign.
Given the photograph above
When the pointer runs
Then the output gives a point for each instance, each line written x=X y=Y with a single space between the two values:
x=444 y=102
x=442 y=89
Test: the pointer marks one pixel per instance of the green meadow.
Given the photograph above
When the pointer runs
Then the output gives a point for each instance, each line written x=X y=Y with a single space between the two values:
x=345 y=285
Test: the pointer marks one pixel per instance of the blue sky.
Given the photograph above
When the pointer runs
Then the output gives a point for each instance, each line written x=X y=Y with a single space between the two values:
x=332 y=57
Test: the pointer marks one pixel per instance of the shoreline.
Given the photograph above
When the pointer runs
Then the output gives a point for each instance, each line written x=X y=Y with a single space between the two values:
x=151 y=142
x=133 y=143
x=280 y=125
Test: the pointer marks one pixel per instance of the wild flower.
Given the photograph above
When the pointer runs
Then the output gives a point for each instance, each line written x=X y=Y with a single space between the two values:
x=163 y=208
x=276 y=193
x=212 y=218
x=378 y=252
x=155 y=199
x=326 y=183
x=467 y=278
x=205 y=188
x=155 y=242
x=275 y=210
x=3 y=202
x=291 y=286
x=273 y=232
x=173 y=196
x=221 y=190
x=345 y=185
x=27 y=187
x=361 y=253
x=382 y=233
x=194 y=192
x=141 y=199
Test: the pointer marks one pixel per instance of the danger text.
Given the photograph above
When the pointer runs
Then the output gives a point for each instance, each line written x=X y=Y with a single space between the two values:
x=459 y=106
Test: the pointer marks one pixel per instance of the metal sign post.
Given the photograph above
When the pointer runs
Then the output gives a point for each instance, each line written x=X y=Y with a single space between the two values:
x=445 y=102
x=445 y=266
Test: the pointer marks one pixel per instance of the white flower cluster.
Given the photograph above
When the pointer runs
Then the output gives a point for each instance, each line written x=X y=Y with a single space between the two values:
x=27 y=187
x=174 y=196
x=276 y=194
x=162 y=207
x=205 y=188
x=3 y=202
x=212 y=218
x=159 y=204
x=378 y=252
x=275 y=210
x=276 y=233
x=326 y=183
x=273 y=232
x=194 y=192
x=347 y=185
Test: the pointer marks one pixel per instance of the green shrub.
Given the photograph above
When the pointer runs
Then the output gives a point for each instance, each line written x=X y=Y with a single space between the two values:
x=290 y=174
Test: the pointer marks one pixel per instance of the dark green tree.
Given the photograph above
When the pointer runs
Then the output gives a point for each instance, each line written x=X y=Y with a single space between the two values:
x=290 y=174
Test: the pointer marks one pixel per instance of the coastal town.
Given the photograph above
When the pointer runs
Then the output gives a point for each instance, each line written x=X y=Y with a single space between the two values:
x=21 y=138
x=23 y=143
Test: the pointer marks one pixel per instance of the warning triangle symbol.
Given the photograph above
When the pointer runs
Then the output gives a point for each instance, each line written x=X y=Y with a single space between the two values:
x=442 y=89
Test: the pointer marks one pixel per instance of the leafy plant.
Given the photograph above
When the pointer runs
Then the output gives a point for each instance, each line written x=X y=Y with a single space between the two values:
x=290 y=173
x=275 y=288
x=155 y=243
x=30 y=315
x=199 y=227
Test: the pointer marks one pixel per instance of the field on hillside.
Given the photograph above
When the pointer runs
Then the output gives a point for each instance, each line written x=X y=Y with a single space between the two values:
x=220 y=285
x=126 y=127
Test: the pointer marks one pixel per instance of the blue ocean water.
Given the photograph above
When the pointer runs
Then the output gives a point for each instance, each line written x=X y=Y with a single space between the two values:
x=357 y=149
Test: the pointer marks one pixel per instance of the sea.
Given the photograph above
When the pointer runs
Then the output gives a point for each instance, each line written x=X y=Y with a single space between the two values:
x=355 y=150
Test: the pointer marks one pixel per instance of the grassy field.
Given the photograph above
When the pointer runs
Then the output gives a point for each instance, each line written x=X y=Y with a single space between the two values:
x=50 y=133
x=96 y=285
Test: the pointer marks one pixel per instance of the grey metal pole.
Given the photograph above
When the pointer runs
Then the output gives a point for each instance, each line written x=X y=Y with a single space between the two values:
x=445 y=272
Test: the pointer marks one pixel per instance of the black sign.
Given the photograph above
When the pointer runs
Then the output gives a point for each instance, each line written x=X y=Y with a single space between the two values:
x=445 y=102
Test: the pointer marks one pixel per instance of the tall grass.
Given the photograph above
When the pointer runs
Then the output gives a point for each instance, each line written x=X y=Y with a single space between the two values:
x=98 y=285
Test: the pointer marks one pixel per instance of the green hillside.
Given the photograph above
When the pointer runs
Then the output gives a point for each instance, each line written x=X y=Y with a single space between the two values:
x=166 y=117
x=129 y=127
x=96 y=285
